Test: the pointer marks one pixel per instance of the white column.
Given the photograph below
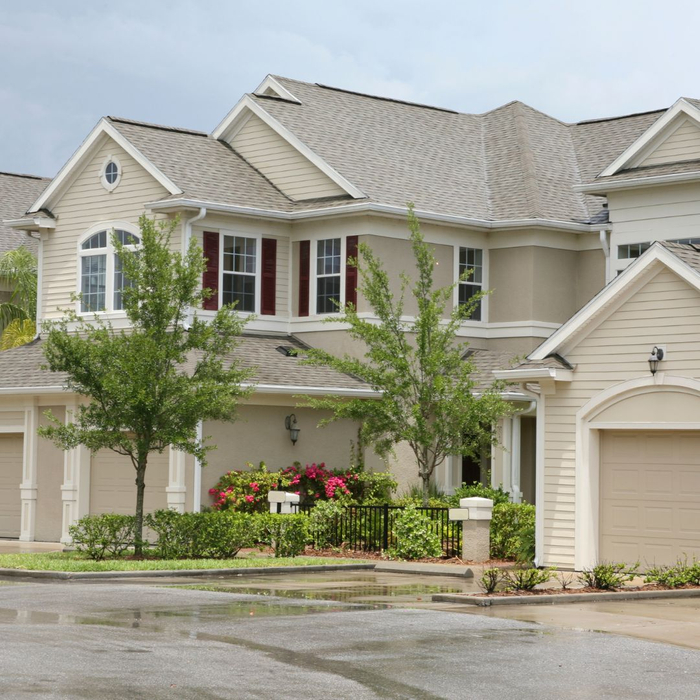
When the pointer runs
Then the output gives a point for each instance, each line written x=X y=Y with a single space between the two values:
x=176 y=490
x=507 y=453
x=75 y=489
x=197 y=477
x=28 y=487
x=515 y=492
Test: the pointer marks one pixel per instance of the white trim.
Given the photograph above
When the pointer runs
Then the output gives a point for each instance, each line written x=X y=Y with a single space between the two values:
x=636 y=182
x=312 y=390
x=557 y=375
x=257 y=237
x=649 y=137
x=101 y=173
x=587 y=479
x=31 y=223
x=89 y=145
x=656 y=253
x=227 y=129
x=271 y=83
x=376 y=208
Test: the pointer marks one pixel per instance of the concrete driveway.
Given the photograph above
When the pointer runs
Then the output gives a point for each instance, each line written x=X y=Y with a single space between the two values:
x=99 y=640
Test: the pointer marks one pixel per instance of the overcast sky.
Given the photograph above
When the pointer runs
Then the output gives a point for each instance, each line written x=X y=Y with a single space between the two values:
x=184 y=63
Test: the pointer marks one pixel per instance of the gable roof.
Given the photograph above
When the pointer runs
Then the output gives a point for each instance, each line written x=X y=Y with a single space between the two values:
x=17 y=192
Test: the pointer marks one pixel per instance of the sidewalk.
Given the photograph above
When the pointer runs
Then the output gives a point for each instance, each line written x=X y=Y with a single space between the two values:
x=17 y=547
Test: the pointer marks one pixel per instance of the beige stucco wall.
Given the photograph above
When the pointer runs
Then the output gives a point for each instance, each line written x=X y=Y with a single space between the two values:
x=49 y=502
x=666 y=311
x=87 y=203
x=590 y=275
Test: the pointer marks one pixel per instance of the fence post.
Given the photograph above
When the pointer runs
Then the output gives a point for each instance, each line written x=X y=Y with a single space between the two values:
x=386 y=527
x=475 y=514
x=283 y=502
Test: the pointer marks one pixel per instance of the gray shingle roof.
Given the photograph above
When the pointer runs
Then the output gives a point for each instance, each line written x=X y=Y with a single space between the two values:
x=17 y=194
x=485 y=362
x=20 y=368
x=684 y=167
x=688 y=253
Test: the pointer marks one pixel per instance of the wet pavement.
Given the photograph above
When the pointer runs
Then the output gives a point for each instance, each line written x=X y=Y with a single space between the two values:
x=350 y=635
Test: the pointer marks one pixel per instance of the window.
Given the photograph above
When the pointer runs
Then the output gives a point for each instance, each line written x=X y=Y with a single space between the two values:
x=101 y=274
x=239 y=270
x=631 y=250
x=110 y=173
x=328 y=275
x=471 y=261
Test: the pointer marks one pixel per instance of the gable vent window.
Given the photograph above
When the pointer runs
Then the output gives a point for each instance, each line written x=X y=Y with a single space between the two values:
x=110 y=173
x=471 y=261
x=328 y=257
x=240 y=265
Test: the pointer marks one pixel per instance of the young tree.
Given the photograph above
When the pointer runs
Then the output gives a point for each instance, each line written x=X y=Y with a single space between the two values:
x=426 y=379
x=148 y=387
x=18 y=270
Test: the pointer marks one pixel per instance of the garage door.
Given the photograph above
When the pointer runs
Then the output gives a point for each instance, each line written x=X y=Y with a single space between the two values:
x=112 y=487
x=10 y=478
x=650 y=496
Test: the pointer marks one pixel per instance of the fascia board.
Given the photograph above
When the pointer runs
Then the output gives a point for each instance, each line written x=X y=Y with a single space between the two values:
x=226 y=129
x=634 y=183
x=657 y=253
x=64 y=177
x=558 y=375
x=31 y=223
x=680 y=106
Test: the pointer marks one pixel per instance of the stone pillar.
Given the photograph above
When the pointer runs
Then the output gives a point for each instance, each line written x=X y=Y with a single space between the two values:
x=28 y=487
x=282 y=502
x=176 y=490
x=475 y=514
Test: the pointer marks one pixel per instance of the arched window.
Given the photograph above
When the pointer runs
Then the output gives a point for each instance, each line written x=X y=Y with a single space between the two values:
x=102 y=280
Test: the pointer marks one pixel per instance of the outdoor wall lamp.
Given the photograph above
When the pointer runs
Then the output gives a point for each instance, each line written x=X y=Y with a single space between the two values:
x=657 y=354
x=290 y=423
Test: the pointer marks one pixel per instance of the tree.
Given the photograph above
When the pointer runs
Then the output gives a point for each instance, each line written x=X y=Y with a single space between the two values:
x=18 y=270
x=423 y=372
x=148 y=387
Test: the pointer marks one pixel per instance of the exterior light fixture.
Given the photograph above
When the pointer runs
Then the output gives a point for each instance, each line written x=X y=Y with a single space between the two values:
x=290 y=423
x=657 y=354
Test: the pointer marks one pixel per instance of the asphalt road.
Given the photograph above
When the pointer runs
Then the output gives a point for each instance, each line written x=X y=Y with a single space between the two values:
x=103 y=641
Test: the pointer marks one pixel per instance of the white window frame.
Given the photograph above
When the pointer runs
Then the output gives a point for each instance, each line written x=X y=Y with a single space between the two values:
x=258 y=267
x=484 y=281
x=313 y=277
x=110 y=186
x=110 y=267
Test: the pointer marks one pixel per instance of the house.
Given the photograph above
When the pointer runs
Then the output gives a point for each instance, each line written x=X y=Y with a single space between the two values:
x=279 y=194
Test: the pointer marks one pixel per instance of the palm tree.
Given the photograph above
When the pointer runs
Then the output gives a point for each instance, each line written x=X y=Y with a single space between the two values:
x=18 y=270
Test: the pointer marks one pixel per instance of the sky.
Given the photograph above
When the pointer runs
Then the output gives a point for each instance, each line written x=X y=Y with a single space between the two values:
x=66 y=63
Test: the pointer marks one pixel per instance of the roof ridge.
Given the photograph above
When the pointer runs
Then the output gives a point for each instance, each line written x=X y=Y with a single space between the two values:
x=621 y=116
x=25 y=175
x=161 y=127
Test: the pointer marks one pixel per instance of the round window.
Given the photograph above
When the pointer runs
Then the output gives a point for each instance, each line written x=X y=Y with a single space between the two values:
x=111 y=172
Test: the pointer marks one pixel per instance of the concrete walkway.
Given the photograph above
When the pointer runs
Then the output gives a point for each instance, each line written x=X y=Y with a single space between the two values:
x=17 y=547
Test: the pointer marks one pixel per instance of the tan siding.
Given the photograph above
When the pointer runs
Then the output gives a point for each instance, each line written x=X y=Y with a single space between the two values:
x=682 y=144
x=665 y=311
x=85 y=204
x=275 y=158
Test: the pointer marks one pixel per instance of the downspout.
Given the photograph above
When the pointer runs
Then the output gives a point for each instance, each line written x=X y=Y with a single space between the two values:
x=605 y=245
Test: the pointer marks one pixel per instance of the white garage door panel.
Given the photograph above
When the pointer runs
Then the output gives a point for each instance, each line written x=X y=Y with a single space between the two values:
x=11 y=447
x=112 y=487
x=650 y=496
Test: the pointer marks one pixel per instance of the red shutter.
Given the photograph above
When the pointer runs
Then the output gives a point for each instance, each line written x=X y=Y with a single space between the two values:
x=351 y=272
x=304 y=276
x=268 y=283
x=210 y=278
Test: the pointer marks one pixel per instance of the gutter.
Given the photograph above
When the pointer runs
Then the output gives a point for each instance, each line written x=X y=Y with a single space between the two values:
x=558 y=375
x=187 y=228
x=371 y=207
x=603 y=187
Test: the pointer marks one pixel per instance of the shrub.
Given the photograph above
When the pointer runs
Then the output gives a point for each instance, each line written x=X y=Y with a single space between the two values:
x=498 y=495
x=525 y=551
x=314 y=482
x=526 y=579
x=174 y=532
x=372 y=488
x=109 y=533
x=490 y=580
x=415 y=536
x=680 y=574
x=323 y=524
x=287 y=534
x=608 y=577
x=511 y=527
x=246 y=491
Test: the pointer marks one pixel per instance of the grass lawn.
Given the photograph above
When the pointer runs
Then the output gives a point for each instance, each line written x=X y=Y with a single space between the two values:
x=75 y=561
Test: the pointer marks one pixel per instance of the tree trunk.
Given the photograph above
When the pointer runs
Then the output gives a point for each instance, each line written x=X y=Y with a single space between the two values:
x=426 y=489
x=140 y=491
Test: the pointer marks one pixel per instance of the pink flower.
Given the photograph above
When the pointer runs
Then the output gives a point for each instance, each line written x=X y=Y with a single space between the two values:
x=254 y=485
x=249 y=499
x=297 y=492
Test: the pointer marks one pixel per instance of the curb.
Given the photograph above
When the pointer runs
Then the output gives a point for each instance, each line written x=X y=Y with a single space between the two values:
x=425 y=569
x=163 y=573
x=558 y=598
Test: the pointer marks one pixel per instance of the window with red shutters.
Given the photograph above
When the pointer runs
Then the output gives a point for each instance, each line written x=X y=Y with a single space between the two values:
x=268 y=283
x=210 y=278
x=351 y=271
x=304 y=276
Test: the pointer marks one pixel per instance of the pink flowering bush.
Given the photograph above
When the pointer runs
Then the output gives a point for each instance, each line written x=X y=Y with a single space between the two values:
x=314 y=482
x=246 y=491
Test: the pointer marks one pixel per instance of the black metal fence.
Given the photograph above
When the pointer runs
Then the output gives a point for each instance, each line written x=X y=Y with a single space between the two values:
x=370 y=528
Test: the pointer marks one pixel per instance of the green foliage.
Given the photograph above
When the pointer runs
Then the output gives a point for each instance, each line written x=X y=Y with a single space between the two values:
x=209 y=535
x=497 y=495
x=99 y=535
x=526 y=579
x=286 y=534
x=490 y=580
x=676 y=576
x=18 y=332
x=428 y=397
x=510 y=527
x=373 y=488
x=607 y=576
x=151 y=385
x=246 y=491
x=415 y=536
x=18 y=270
x=323 y=524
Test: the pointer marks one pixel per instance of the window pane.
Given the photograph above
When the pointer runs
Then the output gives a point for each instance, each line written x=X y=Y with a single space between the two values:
x=239 y=254
x=98 y=240
x=328 y=257
x=466 y=292
x=471 y=260
x=327 y=292
x=241 y=289
x=126 y=238
x=93 y=278
x=120 y=283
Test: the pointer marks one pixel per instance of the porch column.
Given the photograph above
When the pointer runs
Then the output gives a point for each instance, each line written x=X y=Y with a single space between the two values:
x=75 y=489
x=176 y=490
x=28 y=487
x=507 y=454
x=515 y=492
